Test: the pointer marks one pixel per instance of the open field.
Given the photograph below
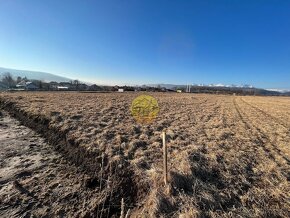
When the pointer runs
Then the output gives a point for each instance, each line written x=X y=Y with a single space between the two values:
x=229 y=156
x=35 y=180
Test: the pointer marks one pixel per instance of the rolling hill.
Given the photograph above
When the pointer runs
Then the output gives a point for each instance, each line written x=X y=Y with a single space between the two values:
x=46 y=77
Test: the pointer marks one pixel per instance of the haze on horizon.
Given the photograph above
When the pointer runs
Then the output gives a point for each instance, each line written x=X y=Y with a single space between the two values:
x=145 y=42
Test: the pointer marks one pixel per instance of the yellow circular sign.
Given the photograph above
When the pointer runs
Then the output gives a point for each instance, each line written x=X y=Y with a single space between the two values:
x=144 y=109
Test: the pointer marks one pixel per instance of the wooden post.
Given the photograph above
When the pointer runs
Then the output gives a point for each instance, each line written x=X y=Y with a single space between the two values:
x=122 y=208
x=164 y=157
x=128 y=214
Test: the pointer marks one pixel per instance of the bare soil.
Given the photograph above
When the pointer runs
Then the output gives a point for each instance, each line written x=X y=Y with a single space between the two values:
x=228 y=155
x=37 y=181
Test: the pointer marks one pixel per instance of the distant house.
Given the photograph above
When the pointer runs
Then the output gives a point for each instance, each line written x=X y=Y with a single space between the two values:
x=65 y=84
x=178 y=90
x=83 y=87
x=21 y=85
x=53 y=85
x=31 y=86
x=62 y=88
x=26 y=85
x=120 y=90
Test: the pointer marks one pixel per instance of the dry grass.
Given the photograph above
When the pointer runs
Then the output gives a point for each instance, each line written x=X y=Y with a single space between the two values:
x=229 y=156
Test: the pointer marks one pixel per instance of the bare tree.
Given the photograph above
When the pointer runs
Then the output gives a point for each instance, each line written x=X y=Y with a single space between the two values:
x=40 y=84
x=8 y=80
x=76 y=84
x=19 y=79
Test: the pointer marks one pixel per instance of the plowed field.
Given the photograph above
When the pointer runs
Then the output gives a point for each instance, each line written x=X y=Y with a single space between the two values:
x=229 y=156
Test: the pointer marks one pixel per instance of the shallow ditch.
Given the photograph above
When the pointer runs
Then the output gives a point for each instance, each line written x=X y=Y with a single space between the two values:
x=114 y=178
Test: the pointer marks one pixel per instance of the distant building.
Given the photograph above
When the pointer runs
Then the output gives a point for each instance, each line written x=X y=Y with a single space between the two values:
x=120 y=90
x=83 y=87
x=62 y=88
x=23 y=85
x=65 y=84
x=178 y=90
x=30 y=86
x=53 y=85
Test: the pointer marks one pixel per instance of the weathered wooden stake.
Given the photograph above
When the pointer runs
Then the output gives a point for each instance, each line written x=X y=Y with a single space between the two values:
x=122 y=208
x=164 y=157
x=127 y=214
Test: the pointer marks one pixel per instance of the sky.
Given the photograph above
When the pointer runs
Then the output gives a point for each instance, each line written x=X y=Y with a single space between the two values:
x=145 y=42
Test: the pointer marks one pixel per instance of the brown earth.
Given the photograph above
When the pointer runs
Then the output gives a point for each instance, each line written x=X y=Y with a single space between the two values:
x=36 y=181
x=228 y=155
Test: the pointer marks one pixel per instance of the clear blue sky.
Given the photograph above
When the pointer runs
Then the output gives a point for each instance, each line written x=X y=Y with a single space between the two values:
x=143 y=41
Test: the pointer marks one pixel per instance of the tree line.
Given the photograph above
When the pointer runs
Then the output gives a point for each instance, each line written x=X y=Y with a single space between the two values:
x=10 y=83
x=19 y=83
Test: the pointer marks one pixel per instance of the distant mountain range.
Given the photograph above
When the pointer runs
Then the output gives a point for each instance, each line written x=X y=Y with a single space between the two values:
x=46 y=77
x=222 y=87
x=170 y=86
x=279 y=90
